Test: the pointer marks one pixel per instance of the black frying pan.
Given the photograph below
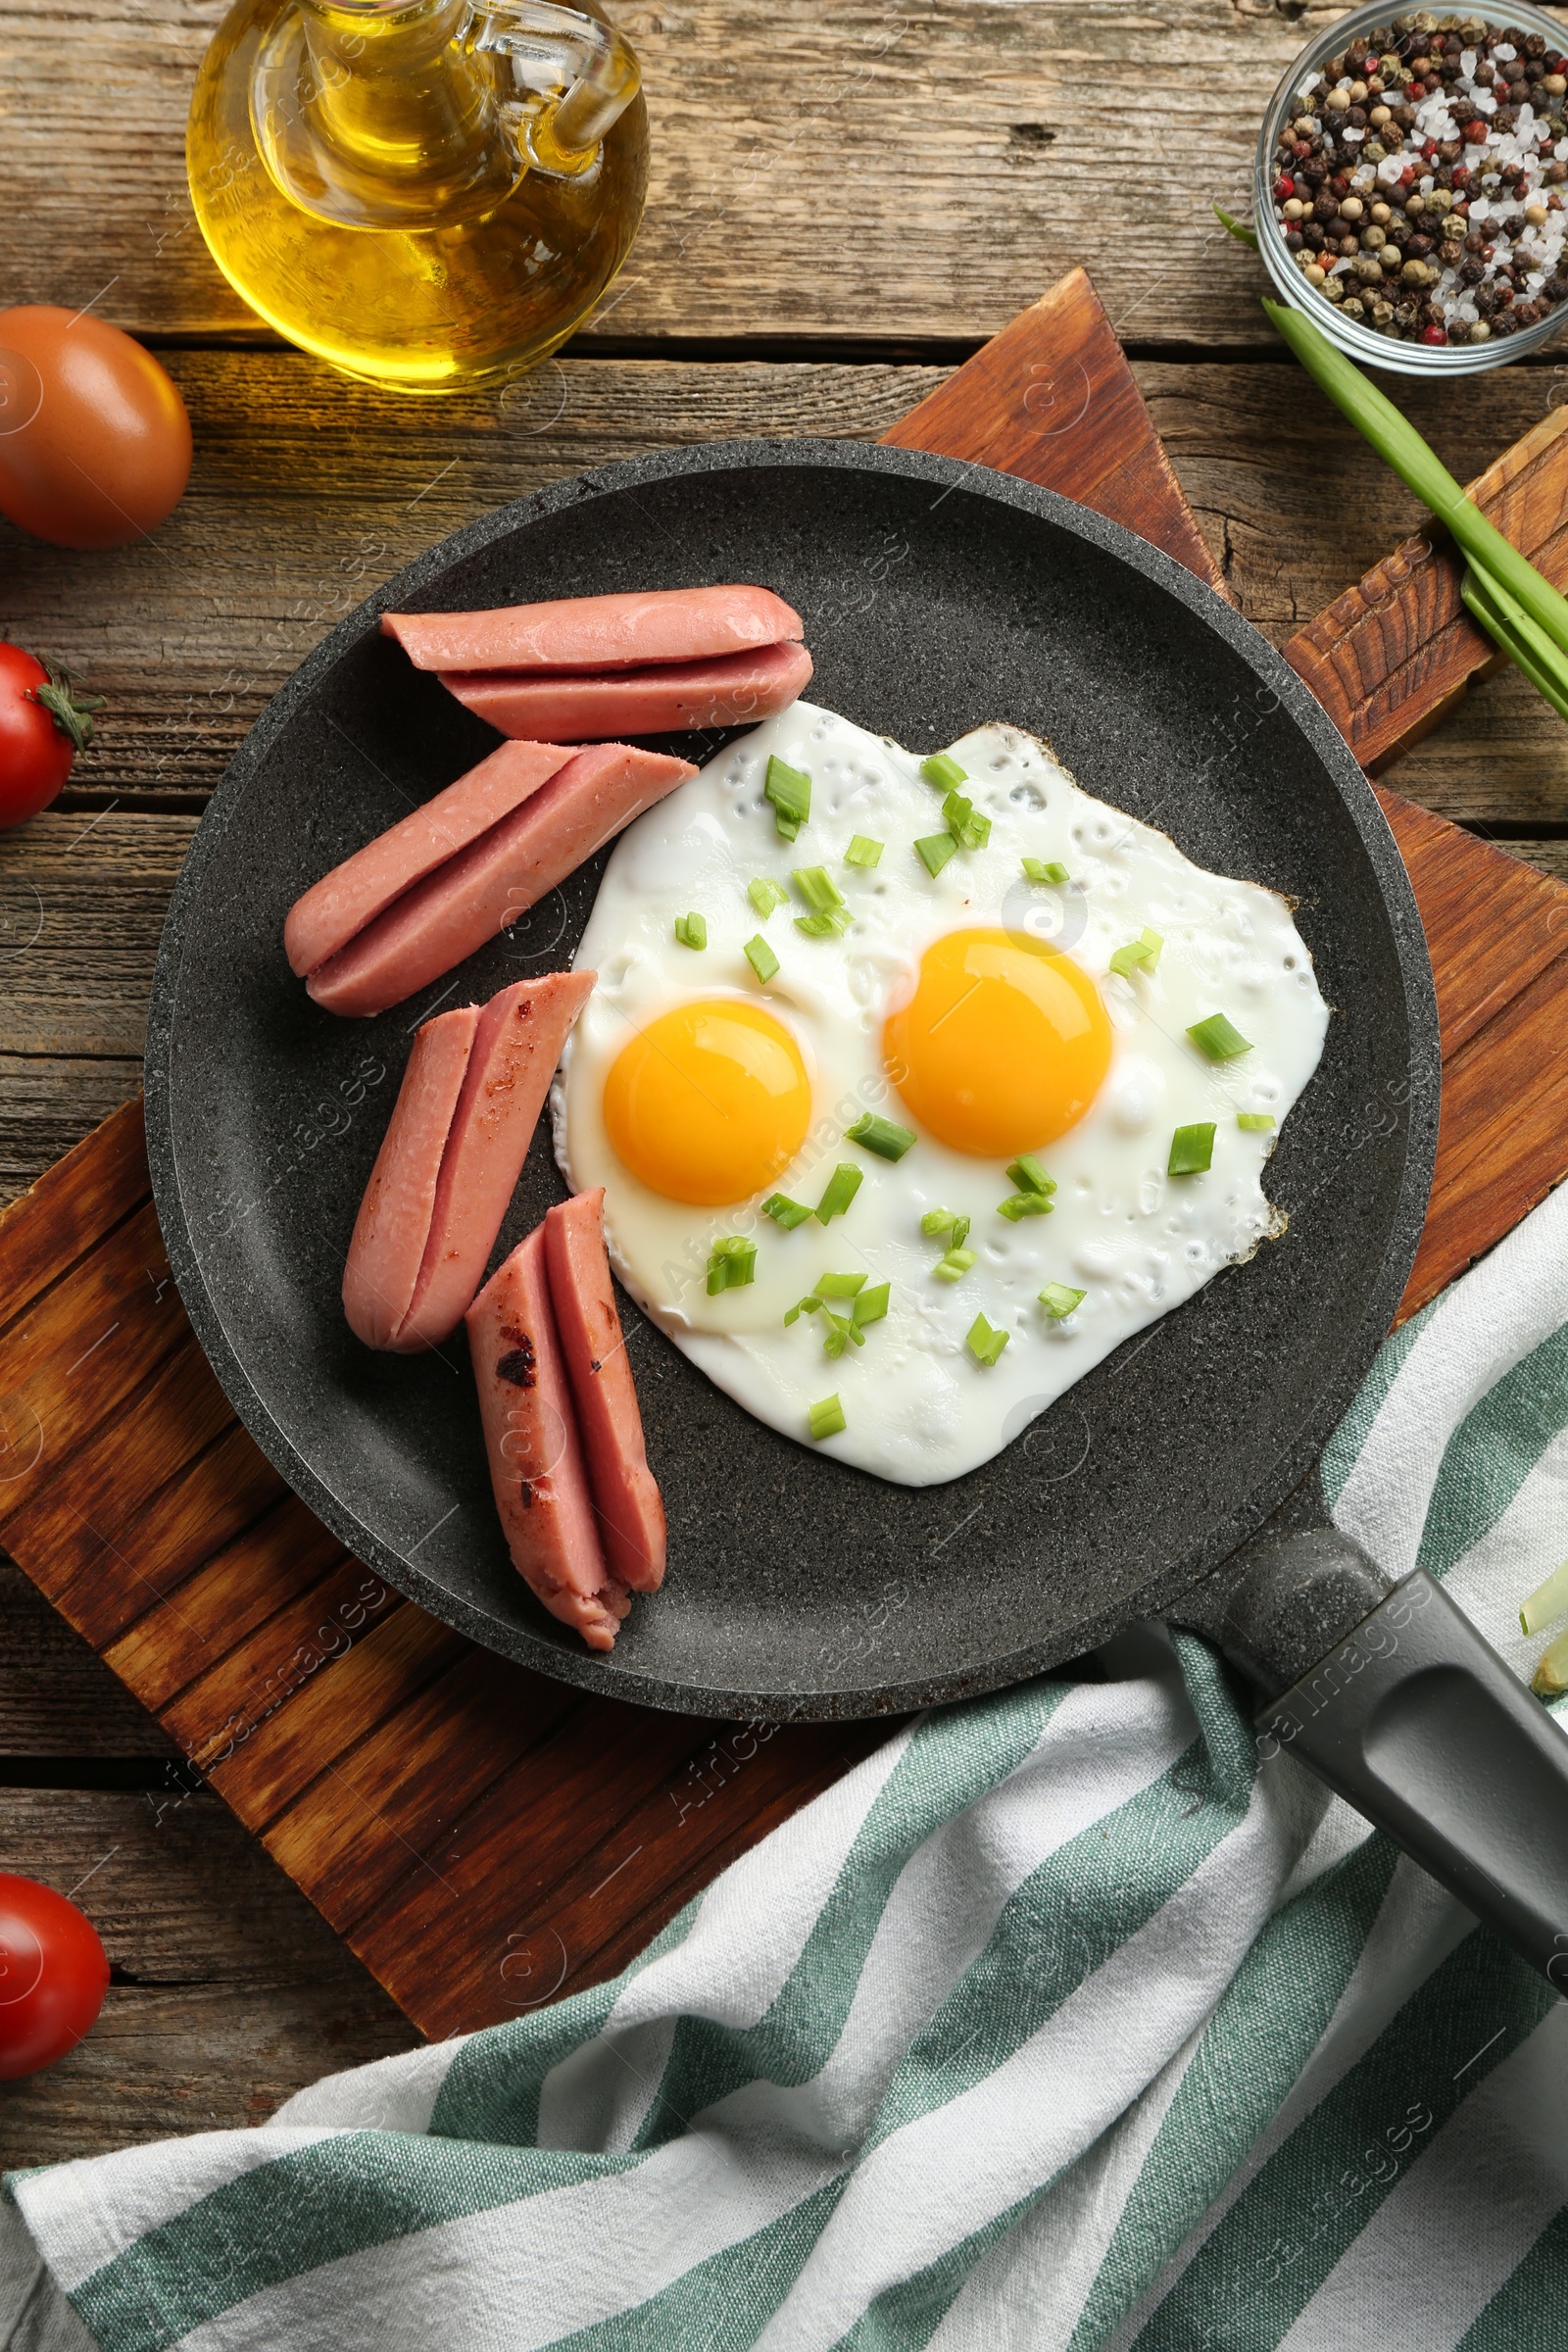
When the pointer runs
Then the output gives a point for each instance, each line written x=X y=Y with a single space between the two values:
x=935 y=595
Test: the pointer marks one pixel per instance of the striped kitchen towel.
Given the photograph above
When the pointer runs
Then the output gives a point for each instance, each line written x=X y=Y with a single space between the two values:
x=1062 y=2022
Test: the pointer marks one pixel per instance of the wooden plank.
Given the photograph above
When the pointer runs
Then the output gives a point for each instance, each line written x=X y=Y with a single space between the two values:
x=490 y=1894
x=57 y=1696
x=262 y=1762
x=415 y=1776
x=105 y=1538
x=815 y=169
x=239 y=1587
x=317 y=1621
x=1073 y=421
x=1398 y=649
x=1503 y=1140
x=1494 y=925
x=86 y=1348
x=65 y=1210
x=228 y=1992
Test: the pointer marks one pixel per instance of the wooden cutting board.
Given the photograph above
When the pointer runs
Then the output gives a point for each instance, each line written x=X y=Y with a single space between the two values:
x=486 y=1839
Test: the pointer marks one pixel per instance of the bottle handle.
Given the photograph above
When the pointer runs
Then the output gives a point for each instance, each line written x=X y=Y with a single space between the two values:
x=573 y=79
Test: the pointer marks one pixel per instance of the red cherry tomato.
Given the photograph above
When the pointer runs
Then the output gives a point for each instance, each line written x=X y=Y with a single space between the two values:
x=53 y=1976
x=95 y=439
x=43 y=724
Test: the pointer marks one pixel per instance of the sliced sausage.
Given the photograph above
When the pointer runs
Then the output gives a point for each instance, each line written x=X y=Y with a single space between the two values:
x=596 y=632
x=516 y=1049
x=726 y=691
x=625 y=1493
x=536 y=1464
x=355 y=893
x=488 y=885
x=392 y=1225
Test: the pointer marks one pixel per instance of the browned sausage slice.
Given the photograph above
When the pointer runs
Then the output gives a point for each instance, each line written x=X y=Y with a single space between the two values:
x=488 y=885
x=536 y=1464
x=625 y=1493
x=392 y=1225
x=516 y=1049
x=596 y=632
x=727 y=692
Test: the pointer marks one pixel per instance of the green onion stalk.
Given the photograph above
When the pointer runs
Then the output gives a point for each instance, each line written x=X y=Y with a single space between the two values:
x=1519 y=610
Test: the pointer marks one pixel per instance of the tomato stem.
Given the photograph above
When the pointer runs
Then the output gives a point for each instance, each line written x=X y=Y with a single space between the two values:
x=70 y=709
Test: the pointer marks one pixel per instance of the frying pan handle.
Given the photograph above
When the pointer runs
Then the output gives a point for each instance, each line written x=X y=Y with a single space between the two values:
x=1416 y=1721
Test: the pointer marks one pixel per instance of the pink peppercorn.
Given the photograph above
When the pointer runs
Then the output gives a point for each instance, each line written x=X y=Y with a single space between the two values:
x=1283 y=187
x=1434 y=334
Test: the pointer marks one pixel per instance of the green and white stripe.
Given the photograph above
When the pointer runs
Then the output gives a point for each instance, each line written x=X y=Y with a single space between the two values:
x=1060 y=2023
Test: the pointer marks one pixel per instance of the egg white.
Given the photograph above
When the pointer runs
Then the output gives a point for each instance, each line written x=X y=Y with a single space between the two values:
x=918 y=1408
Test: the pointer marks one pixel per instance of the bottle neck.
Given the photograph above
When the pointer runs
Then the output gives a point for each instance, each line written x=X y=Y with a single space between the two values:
x=380 y=115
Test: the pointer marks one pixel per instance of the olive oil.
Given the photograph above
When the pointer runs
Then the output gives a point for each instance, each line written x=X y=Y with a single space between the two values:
x=426 y=195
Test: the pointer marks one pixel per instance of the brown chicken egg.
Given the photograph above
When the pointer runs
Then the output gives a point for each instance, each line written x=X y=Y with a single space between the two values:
x=95 y=439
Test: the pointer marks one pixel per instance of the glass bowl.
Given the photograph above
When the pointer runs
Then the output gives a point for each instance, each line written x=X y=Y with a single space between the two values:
x=1359 y=342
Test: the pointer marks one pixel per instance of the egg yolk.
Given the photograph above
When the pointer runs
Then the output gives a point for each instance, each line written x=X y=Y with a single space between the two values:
x=1001 y=1048
x=710 y=1102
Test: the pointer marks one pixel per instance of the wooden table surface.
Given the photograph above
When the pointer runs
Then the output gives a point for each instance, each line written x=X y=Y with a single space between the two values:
x=846 y=199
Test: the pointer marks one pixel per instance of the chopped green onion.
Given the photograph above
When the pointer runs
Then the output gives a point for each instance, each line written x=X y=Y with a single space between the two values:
x=831 y=923
x=1024 y=1205
x=1546 y=1602
x=985 y=1342
x=842 y=1187
x=760 y=956
x=802 y=1306
x=1550 y=1678
x=784 y=1212
x=691 y=930
x=840 y=1286
x=731 y=1265
x=826 y=1418
x=1255 y=1122
x=1059 y=1299
x=953 y=1265
x=1192 y=1149
x=1219 y=1038
x=1040 y=869
x=1029 y=1176
x=817 y=888
x=863 y=850
x=765 y=894
x=790 y=791
x=871 y=1306
x=969 y=831
x=881 y=1135
x=944 y=773
x=945 y=1220
x=934 y=851
x=1153 y=941
x=1128 y=958
x=840 y=1334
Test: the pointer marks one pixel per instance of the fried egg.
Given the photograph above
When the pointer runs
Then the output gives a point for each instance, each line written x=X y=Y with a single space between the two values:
x=1031 y=1171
